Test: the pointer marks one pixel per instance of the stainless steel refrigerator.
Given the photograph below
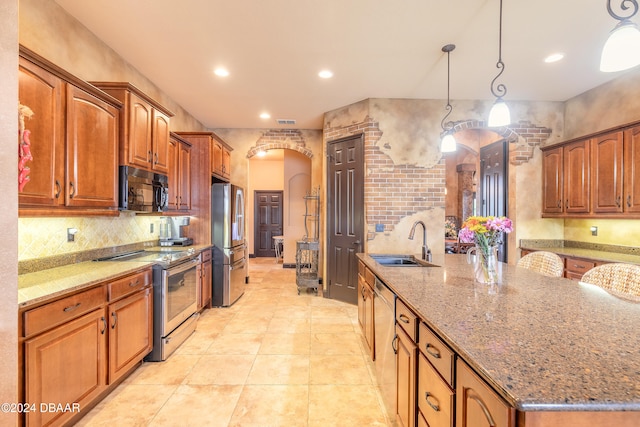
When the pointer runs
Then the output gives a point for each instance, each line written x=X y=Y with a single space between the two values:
x=229 y=244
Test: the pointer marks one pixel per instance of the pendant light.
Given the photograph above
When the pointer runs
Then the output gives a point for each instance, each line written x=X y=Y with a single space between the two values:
x=622 y=48
x=448 y=143
x=499 y=114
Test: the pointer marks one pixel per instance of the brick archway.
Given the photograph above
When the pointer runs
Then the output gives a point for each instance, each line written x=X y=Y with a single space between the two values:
x=524 y=134
x=289 y=139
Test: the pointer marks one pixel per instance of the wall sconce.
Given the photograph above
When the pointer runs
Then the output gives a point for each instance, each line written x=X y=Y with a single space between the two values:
x=448 y=142
x=622 y=48
x=499 y=114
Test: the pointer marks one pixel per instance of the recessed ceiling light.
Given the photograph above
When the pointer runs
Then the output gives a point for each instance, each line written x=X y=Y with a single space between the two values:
x=265 y=116
x=554 y=57
x=221 y=72
x=325 y=74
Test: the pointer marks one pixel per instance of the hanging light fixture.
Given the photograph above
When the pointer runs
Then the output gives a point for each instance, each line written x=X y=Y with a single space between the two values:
x=499 y=114
x=622 y=49
x=448 y=143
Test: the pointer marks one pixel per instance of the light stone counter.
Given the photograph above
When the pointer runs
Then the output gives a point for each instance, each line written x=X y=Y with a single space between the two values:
x=45 y=285
x=544 y=344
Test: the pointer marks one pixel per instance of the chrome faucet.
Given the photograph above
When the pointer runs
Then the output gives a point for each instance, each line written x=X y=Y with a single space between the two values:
x=426 y=252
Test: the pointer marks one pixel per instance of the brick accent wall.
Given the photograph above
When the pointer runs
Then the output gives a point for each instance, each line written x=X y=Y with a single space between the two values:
x=392 y=192
x=522 y=136
x=291 y=139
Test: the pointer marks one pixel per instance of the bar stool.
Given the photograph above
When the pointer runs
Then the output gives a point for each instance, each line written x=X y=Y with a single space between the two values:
x=277 y=242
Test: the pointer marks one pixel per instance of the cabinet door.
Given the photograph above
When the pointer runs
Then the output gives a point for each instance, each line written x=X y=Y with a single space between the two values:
x=606 y=173
x=66 y=365
x=160 y=145
x=632 y=170
x=130 y=332
x=184 y=178
x=138 y=142
x=576 y=177
x=226 y=163
x=216 y=157
x=43 y=93
x=92 y=151
x=436 y=401
x=174 y=173
x=205 y=284
x=406 y=379
x=552 y=181
x=361 y=302
x=477 y=405
x=369 y=331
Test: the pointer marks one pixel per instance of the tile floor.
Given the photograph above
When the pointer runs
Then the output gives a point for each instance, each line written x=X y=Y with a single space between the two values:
x=274 y=358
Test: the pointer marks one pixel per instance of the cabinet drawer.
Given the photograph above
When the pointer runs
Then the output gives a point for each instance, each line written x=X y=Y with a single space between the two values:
x=369 y=277
x=406 y=319
x=126 y=285
x=435 y=399
x=576 y=265
x=361 y=268
x=61 y=311
x=437 y=352
x=205 y=255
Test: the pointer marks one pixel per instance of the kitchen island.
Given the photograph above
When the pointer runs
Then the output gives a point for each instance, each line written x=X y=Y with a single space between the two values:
x=553 y=349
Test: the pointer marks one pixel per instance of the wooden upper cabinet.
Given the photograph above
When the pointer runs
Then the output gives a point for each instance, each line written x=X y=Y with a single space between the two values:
x=631 y=193
x=92 y=151
x=179 y=173
x=74 y=142
x=43 y=93
x=576 y=177
x=145 y=128
x=220 y=158
x=552 y=181
x=606 y=170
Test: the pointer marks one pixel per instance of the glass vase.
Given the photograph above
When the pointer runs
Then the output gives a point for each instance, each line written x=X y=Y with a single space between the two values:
x=486 y=267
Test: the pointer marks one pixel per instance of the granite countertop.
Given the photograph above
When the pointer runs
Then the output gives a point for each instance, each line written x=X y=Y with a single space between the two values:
x=633 y=257
x=544 y=344
x=41 y=286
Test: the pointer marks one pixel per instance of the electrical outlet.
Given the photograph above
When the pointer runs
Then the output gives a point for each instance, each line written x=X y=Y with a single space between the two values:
x=594 y=231
x=379 y=228
x=151 y=228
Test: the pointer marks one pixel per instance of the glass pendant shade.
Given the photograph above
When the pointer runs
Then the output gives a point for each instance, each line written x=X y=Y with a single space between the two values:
x=499 y=114
x=448 y=143
x=622 y=49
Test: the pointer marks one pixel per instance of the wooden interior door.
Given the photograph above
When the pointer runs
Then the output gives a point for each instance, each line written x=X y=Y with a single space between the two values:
x=493 y=184
x=267 y=222
x=345 y=216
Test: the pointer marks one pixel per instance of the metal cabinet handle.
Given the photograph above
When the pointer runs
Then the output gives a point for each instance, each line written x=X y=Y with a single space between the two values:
x=618 y=201
x=428 y=396
x=71 y=308
x=150 y=156
x=393 y=344
x=114 y=316
x=403 y=318
x=134 y=284
x=566 y=204
x=559 y=203
x=104 y=322
x=155 y=156
x=435 y=353
x=59 y=189
x=72 y=191
x=629 y=201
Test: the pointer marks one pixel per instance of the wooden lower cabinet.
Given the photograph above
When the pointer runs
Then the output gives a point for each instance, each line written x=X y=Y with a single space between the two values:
x=436 y=401
x=366 y=306
x=66 y=365
x=406 y=379
x=130 y=332
x=205 y=274
x=477 y=405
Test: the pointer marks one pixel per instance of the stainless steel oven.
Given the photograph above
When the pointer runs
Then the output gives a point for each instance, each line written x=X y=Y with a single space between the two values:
x=175 y=306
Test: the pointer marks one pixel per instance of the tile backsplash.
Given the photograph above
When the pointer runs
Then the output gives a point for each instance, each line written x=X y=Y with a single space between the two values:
x=44 y=237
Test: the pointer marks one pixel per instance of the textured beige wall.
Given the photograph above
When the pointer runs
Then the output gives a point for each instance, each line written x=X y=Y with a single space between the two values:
x=9 y=213
x=264 y=175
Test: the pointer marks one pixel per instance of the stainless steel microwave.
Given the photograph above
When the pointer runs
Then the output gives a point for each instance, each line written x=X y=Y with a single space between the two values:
x=142 y=191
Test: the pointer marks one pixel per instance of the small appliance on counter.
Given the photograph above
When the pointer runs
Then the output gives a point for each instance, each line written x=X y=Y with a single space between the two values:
x=172 y=231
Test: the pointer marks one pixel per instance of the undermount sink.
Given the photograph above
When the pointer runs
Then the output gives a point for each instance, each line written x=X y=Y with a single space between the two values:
x=401 y=261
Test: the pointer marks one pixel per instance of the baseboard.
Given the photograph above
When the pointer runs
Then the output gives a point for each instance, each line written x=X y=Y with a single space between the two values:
x=288 y=266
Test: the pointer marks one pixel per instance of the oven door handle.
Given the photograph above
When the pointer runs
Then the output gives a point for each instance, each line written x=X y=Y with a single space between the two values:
x=182 y=267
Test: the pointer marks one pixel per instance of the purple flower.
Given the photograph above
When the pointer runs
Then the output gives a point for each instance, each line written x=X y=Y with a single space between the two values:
x=466 y=236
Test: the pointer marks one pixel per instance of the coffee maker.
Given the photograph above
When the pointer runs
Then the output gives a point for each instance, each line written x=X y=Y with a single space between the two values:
x=173 y=230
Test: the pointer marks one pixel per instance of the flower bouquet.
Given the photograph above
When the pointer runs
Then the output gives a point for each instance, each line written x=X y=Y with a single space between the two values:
x=486 y=232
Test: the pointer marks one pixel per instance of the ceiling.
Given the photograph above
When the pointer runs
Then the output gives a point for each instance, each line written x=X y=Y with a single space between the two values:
x=274 y=50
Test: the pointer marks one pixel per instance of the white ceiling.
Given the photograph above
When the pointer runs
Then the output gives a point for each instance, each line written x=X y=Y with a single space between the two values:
x=274 y=50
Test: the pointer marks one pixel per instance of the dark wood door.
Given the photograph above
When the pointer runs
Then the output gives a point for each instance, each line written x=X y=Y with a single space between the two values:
x=345 y=216
x=493 y=178
x=267 y=222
